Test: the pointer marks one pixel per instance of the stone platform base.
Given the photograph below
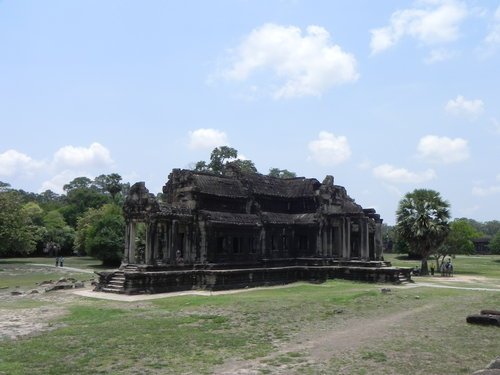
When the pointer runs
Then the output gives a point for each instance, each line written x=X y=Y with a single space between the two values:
x=135 y=279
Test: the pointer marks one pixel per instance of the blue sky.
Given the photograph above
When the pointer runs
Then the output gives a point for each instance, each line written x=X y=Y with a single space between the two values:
x=386 y=96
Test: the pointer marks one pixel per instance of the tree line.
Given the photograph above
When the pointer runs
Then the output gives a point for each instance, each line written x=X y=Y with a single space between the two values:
x=424 y=229
x=87 y=219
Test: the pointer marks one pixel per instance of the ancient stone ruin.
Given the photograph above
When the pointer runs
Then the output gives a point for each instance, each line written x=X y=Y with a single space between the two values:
x=242 y=230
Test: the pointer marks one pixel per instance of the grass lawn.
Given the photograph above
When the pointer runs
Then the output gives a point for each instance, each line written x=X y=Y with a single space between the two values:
x=478 y=265
x=27 y=273
x=338 y=327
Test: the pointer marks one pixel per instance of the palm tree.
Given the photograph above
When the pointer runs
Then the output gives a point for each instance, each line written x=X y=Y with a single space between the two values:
x=422 y=221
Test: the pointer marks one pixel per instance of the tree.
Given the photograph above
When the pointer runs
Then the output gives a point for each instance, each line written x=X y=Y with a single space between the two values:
x=17 y=233
x=491 y=227
x=109 y=183
x=82 y=229
x=223 y=156
x=4 y=186
x=58 y=234
x=422 y=221
x=105 y=234
x=494 y=244
x=219 y=157
x=281 y=173
x=78 y=183
x=458 y=241
x=246 y=166
x=79 y=198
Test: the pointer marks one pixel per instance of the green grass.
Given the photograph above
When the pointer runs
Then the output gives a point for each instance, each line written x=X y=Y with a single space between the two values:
x=479 y=265
x=266 y=328
x=76 y=262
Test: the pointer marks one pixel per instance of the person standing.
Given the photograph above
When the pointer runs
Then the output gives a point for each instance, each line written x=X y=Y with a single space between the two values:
x=61 y=261
x=57 y=261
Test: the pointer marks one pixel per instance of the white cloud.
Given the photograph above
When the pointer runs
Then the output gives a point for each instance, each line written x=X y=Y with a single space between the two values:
x=491 y=42
x=431 y=23
x=392 y=174
x=485 y=191
x=207 y=139
x=96 y=155
x=57 y=181
x=329 y=149
x=462 y=106
x=304 y=65
x=493 y=37
x=14 y=162
x=496 y=125
x=438 y=55
x=443 y=149
x=482 y=191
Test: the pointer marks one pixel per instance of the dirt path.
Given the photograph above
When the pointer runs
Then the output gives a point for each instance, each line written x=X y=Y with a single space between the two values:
x=81 y=270
x=321 y=345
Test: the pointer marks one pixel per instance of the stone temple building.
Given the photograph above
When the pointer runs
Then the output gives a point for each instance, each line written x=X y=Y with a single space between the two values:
x=240 y=229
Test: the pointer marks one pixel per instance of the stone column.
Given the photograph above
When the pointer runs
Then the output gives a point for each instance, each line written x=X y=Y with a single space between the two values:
x=166 y=241
x=325 y=240
x=150 y=238
x=319 y=240
x=158 y=230
x=173 y=240
x=379 y=249
x=365 y=245
x=347 y=239
x=131 y=228
x=203 y=242
x=126 y=243
x=262 y=242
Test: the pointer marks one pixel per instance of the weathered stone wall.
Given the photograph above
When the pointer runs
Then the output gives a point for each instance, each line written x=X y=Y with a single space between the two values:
x=137 y=282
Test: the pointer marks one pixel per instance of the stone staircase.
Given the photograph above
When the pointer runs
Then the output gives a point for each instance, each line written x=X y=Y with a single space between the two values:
x=403 y=279
x=116 y=283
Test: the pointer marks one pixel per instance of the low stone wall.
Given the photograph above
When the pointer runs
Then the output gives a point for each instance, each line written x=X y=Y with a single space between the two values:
x=161 y=281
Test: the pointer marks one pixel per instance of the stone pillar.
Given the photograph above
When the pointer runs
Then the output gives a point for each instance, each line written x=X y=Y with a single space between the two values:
x=173 y=240
x=262 y=241
x=326 y=231
x=203 y=242
x=319 y=240
x=379 y=248
x=365 y=244
x=150 y=240
x=158 y=231
x=131 y=228
x=330 y=240
x=166 y=242
x=347 y=239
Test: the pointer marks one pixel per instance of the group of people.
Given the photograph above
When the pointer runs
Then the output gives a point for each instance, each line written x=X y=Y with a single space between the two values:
x=446 y=268
x=60 y=261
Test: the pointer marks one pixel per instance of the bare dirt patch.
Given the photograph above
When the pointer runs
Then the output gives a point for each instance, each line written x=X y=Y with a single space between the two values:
x=15 y=323
x=319 y=345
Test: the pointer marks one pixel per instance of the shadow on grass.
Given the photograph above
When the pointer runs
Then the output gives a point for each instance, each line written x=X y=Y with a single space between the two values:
x=14 y=261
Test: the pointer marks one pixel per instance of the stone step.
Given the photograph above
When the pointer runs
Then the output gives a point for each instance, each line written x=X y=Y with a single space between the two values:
x=118 y=278
x=112 y=290
x=116 y=283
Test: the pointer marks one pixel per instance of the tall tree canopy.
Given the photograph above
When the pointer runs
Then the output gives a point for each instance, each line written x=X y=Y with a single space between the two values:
x=104 y=233
x=221 y=157
x=17 y=233
x=422 y=221
x=281 y=173
x=494 y=244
